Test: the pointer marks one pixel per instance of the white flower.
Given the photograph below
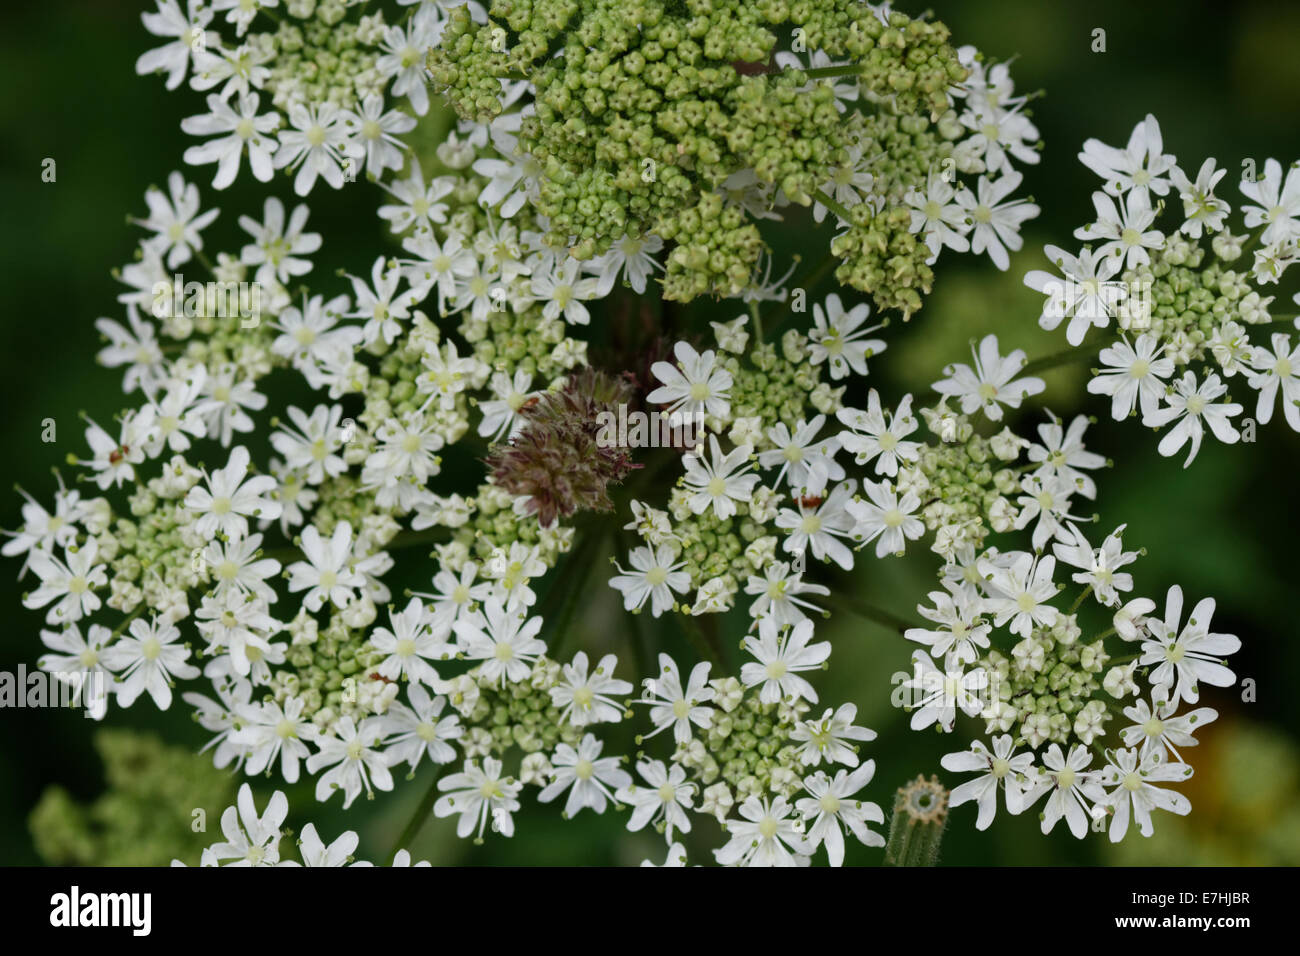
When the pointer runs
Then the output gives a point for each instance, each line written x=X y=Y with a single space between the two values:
x=819 y=523
x=443 y=266
x=1184 y=657
x=242 y=12
x=229 y=500
x=313 y=448
x=697 y=388
x=382 y=307
x=830 y=805
x=1133 y=374
x=78 y=661
x=179 y=413
x=1073 y=787
x=807 y=462
x=1140 y=166
x=676 y=857
x=1156 y=729
x=136 y=348
x=319 y=144
x=1018 y=592
x=327 y=574
x=504 y=638
x=1087 y=295
x=667 y=797
x=1000 y=767
x=996 y=224
x=778 y=592
x=191 y=36
x=1100 y=566
x=115 y=459
x=675 y=707
x=376 y=132
x=71 y=583
x=275 y=247
x=1202 y=210
x=886 y=518
x=588 y=698
x=655 y=576
x=782 y=654
x=316 y=853
x=1135 y=792
x=1278 y=369
x=1276 y=204
x=352 y=753
x=962 y=631
x=768 y=835
x=420 y=729
x=413 y=641
x=251 y=840
x=240 y=625
x=477 y=794
x=146 y=659
x=721 y=482
x=501 y=418
x=1046 y=498
x=837 y=339
x=828 y=737
x=992 y=383
x=270 y=730
x=633 y=256
x=938 y=217
x=937 y=693
x=564 y=292
x=879 y=436
x=417 y=205
x=586 y=775
x=456 y=597
x=1193 y=406
x=1124 y=230
x=176 y=221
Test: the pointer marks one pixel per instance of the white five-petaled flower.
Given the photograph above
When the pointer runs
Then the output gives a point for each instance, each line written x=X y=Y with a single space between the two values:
x=698 y=387
x=146 y=659
x=655 y=575
x=673 y=706
x=999 y=768
x=720 y=482
x=1075 y=790
x=1134 y=793
x=1133 y=374
x=327 y=574
x=410 y=644
x=251 y=840
x=782 y=653
x=830 y=805
x=992 y=383
x=477 y=794
x=938 y=693
x=768 y=834
x=1276 y=203
x=1086 y=293
x=355 y=758
x=885 y=517
x=873 y=435
x=667 y=797
x=1193 y=407
x=587 y=697
x=1184 y=656
x=587 y=776
x=828 y=737
x=231 y=498
x=1018 y=592
x=806 y=461
x=837 y=337
x=504 y=638
x=1157 y=728
x=1124 y=230
x=1141 y=166
x=70 y=583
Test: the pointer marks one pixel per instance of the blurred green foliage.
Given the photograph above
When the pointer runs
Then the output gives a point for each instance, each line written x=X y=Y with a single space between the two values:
x=1222 y=79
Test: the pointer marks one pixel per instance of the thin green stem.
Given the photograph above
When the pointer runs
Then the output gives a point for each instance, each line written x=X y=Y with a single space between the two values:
x=422 y=813
x=831 y=204
x=1082 y=597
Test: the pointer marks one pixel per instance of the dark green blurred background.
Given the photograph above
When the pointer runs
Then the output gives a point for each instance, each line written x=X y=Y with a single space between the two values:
x=1223 y=79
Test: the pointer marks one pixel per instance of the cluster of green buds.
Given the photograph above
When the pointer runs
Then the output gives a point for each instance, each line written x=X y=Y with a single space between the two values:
x=747 y=750
x=320 y=58
x=1193 y=302
x=963 y=480
x=1048 y=689
x=331 y=669
x=518 y=714
x=771 y=385
x=644 y=110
